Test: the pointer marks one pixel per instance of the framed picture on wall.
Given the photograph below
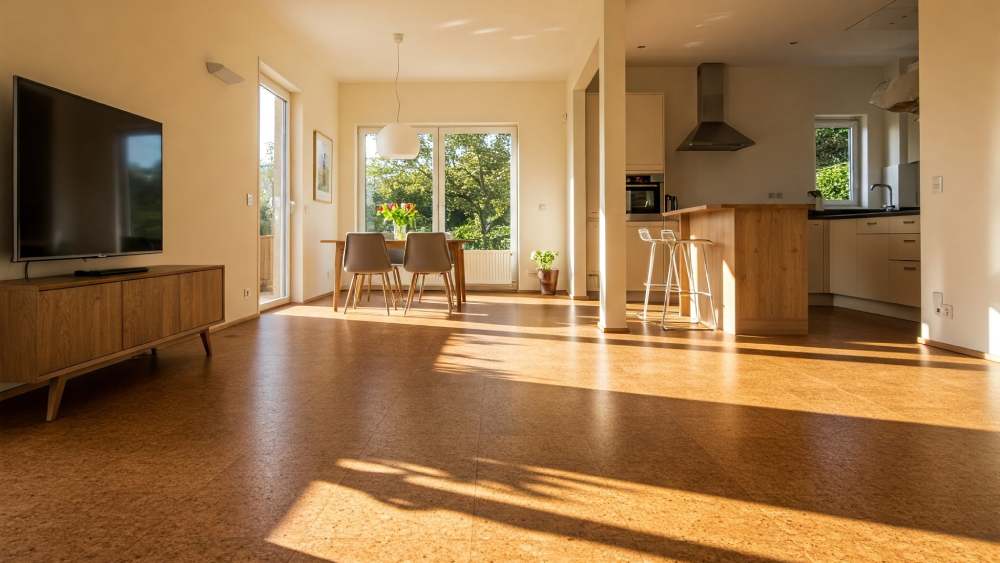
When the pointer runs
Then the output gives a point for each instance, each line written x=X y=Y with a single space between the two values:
x=322 y=168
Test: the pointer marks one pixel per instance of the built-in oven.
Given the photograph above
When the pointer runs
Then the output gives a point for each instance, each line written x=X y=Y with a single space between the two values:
x=643 y=198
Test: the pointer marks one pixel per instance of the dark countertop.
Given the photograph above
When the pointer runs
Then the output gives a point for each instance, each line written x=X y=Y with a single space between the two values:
x=861 y=213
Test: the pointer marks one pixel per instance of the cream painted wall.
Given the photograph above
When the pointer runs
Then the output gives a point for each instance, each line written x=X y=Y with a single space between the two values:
x=537 y=108
x=775 y=107
x=960 y=141
x=148 y=58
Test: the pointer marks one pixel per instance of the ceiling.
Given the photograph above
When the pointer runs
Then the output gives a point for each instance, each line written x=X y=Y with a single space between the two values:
x=449 y=39
x=547 y=39
x=759 y=32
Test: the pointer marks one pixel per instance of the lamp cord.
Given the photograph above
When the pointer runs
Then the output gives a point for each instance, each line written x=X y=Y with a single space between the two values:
x=396 y=82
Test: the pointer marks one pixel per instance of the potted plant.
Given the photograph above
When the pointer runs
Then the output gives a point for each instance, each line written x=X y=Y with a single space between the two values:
x=401 y=215
x=547 y=277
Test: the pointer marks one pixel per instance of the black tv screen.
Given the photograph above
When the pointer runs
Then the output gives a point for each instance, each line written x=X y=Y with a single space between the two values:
x=88 y=178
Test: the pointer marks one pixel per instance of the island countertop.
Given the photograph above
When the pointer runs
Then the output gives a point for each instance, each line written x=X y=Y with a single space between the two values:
x=757 y=264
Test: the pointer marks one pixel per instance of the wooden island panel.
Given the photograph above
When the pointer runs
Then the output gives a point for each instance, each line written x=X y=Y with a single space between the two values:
x=758 y=265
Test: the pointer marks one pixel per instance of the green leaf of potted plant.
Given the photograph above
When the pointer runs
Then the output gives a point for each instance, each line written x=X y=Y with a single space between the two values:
x=548 y=278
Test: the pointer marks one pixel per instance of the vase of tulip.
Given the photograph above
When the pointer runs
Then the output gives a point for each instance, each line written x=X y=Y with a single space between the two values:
x=401 y=215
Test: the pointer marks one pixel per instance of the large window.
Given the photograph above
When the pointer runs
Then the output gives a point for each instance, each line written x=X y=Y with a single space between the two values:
x=462 y=182
x=838 y=161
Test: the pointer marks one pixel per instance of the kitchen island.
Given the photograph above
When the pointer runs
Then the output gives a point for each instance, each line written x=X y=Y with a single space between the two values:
x=758 y=265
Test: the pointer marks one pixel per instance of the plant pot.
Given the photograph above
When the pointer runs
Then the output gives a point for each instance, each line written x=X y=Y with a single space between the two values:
x=548 y=279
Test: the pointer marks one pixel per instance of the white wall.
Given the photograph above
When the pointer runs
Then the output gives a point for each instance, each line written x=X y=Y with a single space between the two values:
x=960 y=140
x=775 y=107
x=148 y=58
x=536 y=108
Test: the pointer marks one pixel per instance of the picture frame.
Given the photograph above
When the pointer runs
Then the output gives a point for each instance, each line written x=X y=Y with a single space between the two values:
x=322 y=168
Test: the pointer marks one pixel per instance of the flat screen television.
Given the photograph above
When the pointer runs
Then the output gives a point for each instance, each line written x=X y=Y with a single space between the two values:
x=88 y=178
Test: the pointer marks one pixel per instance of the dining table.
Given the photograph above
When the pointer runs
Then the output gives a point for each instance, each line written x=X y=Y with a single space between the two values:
x=455 y=246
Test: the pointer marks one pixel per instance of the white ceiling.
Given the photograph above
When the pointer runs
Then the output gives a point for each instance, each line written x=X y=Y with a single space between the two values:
x=449 y=39
x=758 y=32
x=547 y=39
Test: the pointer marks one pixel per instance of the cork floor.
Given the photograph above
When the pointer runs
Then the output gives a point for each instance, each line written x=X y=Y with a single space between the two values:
x=512 y=431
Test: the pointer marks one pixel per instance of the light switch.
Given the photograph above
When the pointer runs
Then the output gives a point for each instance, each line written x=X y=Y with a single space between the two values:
x=937 y=184
x=249 y=200
x=543 y=206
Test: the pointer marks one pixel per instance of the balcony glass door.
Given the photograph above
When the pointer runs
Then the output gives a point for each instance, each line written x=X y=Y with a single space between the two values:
x=273 y=198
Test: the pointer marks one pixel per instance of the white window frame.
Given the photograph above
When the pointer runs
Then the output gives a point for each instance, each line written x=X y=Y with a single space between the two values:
x=856 y=154
x=437 y=134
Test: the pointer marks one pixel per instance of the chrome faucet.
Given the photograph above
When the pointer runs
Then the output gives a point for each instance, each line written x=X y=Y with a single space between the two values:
x=888 y=206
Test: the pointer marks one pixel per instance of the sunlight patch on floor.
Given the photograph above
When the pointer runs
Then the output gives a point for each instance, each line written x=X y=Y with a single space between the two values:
x=522 y=505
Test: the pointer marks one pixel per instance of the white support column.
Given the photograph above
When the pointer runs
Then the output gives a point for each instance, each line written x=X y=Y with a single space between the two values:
x=577 y=196
x=612 y=170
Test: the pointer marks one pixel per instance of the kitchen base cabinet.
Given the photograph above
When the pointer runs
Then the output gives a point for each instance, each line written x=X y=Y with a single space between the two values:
x=843 y=254
x=904 y=279
x=819 y=260
x=872 y=277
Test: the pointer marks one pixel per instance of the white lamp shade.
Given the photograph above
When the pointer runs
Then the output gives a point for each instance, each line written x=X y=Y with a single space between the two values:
x=397 y=141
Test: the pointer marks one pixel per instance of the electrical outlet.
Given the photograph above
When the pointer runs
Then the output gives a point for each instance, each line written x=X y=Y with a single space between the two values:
x=938 y=302
x=949 y=312
x=246 y=292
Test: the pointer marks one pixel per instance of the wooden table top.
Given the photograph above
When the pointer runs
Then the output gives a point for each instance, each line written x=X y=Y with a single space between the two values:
x=713 y=207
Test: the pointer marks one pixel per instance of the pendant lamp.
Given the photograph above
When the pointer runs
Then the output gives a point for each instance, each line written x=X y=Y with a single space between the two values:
x=397 y=141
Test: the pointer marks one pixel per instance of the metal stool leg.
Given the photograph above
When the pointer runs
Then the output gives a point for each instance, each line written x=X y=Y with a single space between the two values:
x=669 y=285
x=708 y=289
x=649 y=280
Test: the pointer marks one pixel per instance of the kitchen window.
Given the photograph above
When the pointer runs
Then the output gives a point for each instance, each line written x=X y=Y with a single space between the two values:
x=838 y=160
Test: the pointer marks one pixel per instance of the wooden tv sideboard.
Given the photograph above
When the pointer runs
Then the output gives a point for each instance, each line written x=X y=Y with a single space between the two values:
x=55 y=328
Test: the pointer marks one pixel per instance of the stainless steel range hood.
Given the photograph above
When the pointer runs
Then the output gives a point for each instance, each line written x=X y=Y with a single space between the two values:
x=712 y=132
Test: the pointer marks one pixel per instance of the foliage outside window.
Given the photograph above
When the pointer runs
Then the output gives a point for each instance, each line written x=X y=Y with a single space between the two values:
x=477 y=187
x=836 y=160
x=265 y=198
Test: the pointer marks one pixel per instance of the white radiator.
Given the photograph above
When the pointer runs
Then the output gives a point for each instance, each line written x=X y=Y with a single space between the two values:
x=489 y=267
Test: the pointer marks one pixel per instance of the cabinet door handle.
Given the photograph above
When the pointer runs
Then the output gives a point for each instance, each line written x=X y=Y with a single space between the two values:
x=910 y=268
x=872 y=223
x=908 y=222
x=909 y=240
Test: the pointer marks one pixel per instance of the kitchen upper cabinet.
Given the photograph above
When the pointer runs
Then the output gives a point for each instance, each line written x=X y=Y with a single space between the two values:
x=644 y=133
x=843 y=253
x=818 y=241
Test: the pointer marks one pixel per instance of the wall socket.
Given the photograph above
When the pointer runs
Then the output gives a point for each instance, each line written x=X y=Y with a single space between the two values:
x=941 y=308
x=937 y=184
x=246 y=292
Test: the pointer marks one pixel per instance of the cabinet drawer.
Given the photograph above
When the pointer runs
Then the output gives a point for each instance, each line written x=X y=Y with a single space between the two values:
x=873 y=225
x=904 y=282
x=904 y=247
x=909 y=224
x=78 y=324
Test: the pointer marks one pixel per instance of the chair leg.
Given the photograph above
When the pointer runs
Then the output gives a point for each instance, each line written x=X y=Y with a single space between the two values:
x=360 y=290
x=409 y=294
x=399 y=284
x=708 y=288
x=671 y=269
x=368 y=290
x=350 y=293
x=423 y=280
x=385 y=293
x=448 y=291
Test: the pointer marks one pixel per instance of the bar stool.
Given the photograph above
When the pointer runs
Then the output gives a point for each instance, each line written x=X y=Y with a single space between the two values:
x=688 y=251
x=667 y=239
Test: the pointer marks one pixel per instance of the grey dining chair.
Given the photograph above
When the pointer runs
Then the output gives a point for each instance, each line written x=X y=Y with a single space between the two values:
x=365 y=255
x=427 y=253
